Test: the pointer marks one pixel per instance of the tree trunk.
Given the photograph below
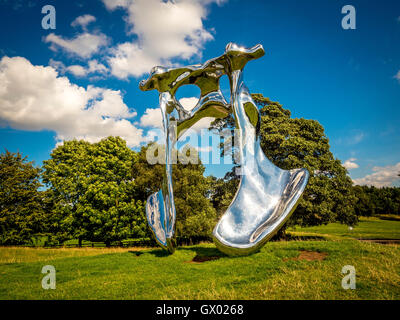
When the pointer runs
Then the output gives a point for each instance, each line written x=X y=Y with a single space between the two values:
x=281 y=234
x=80 y=243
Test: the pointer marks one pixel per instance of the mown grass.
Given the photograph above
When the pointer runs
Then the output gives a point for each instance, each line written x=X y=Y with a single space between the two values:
x=272 y=273
x=10 y=255
x=367 y=228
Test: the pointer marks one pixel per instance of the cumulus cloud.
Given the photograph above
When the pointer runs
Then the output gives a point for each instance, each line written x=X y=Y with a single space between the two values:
x=382 y=176
x=58 y=65
x=397 y=75
x=151 y=118
x=37 y=98
x=350 y=164
x=77 y=70
x=94 y=66
x=83 y=21
x=164 y=30
x=83 y=45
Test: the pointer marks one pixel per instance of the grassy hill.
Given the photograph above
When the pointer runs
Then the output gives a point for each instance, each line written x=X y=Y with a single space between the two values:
x=281 y=270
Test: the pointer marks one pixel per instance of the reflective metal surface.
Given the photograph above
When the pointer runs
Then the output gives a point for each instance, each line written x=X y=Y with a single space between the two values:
x=267 y=195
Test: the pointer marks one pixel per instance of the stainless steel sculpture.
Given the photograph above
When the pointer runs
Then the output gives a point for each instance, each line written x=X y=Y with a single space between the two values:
x=267 y=195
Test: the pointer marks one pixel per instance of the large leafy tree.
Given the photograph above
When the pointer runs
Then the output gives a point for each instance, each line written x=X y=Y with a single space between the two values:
x=21 y=211
x=300 y=143
x=195 y=214
x=93 y=191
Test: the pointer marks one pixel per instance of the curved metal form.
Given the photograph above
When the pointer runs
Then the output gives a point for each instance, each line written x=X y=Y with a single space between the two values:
x=267 y=195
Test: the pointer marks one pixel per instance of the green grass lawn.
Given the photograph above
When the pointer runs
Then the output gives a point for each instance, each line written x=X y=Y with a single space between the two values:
x=273 y=273
x=367 y=228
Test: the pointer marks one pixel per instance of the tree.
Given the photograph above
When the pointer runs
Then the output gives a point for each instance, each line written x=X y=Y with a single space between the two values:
x=21 y=212
x=364 y=205
x=196 y=216
x=223 y=191
x=93 y=190
x=300 y=143
x=372 y=201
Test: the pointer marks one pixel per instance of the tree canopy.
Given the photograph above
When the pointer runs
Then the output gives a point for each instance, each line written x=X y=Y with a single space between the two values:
x=373 y=201
x=21 y=212
x=94 y=190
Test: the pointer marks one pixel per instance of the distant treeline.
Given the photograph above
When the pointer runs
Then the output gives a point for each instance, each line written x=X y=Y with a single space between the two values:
x=377 y=201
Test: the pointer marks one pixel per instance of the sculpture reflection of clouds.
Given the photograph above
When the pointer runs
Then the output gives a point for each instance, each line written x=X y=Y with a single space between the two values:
x=267 y=195
x=155 y=214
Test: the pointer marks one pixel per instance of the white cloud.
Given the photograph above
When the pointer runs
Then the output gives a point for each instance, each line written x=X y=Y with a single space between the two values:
x=113 y=4
x=189 y=103
x=83 y=45
x=83 y=21
x=37 y=98
x=58 y=65
x=128 y=59
x=77 y=70
x=382 y=176
x=165 y=30
x=397 y=76
x=94 y=66
x=350 y=164
x=152 y=118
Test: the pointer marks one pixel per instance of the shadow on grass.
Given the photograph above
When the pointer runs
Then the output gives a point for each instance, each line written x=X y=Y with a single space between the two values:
x=205 y=251
x=291 y=237
x=136 y=253
x=159 y=253
x=202 y=253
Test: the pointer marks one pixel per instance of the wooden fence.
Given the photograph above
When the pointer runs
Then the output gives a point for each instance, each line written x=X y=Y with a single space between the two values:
x=145 y=242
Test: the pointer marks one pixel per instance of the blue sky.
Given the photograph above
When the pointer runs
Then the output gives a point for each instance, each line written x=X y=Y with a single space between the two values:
x=81 y=79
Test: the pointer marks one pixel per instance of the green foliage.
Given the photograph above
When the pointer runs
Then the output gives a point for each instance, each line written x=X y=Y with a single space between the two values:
x=21 y=211
x=93 y=191
x=373 y=201
x=223 y=191
x=195 y=214
x=300 y=143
